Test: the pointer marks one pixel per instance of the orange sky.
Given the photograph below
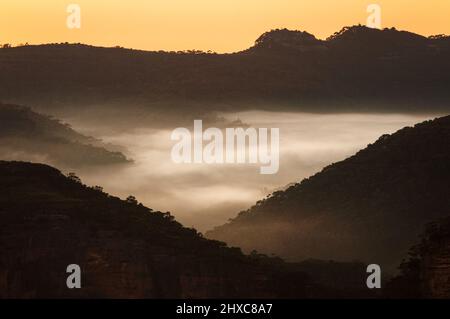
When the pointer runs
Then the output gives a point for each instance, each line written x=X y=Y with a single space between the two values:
x=218 y=25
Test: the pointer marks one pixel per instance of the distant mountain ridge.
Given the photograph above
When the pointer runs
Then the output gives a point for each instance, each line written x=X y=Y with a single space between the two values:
x=355 y=65
x=27 y=135
x=369 y=207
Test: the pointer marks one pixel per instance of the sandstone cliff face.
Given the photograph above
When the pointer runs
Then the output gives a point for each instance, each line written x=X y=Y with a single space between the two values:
x=436 y=274
x=124 y=250
x=426 y=274
x=435 y=262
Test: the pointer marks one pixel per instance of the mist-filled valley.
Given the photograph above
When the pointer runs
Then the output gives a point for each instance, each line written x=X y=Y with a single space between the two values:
x=207 y=195
x=360 y=173
x=329 y=98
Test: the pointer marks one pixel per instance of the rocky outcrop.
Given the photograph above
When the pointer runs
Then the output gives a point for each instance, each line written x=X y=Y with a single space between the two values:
x=434 y=260
x=426 y=274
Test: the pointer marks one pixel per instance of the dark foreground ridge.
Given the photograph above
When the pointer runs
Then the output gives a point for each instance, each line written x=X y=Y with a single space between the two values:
x=125 y=250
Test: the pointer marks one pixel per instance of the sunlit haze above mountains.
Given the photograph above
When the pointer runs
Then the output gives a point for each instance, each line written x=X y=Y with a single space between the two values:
x=219 y=25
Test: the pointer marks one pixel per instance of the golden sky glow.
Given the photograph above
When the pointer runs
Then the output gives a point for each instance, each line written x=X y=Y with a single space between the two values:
x=218 y=25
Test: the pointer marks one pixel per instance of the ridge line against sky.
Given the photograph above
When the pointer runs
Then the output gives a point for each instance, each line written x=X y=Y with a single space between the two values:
x=194 y=49
x=222 y=26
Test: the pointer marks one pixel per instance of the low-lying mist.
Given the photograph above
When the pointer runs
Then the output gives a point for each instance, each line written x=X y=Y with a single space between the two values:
x=207 y=195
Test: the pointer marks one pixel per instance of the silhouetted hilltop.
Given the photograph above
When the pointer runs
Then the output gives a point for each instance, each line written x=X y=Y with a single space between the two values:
x=369 y=207
x=387 y=37
x=27 y=135
x=358 y=68
x=284 y=39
